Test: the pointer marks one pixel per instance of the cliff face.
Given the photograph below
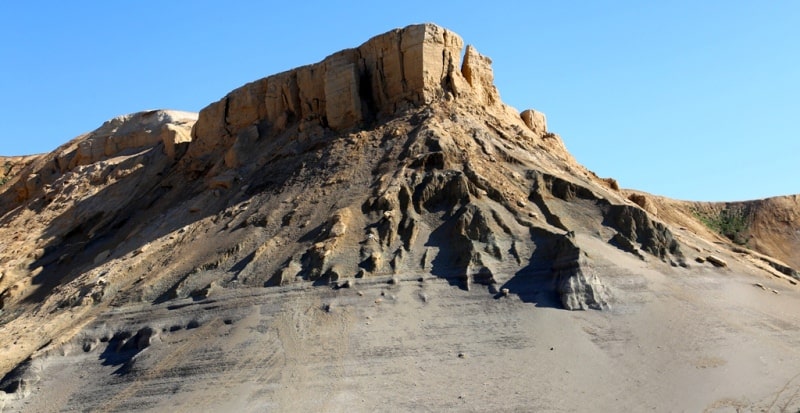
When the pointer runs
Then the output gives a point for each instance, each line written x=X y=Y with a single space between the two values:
x=399 y=69
x=393 y=162
x=389 y=74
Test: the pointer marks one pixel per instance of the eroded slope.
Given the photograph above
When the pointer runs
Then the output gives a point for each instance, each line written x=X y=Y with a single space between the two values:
x=391 y=162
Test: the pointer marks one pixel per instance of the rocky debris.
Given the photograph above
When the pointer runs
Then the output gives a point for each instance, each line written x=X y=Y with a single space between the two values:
x=563 y=189
x=121 y=349
x=13 y=286
x=11 y=166
x=337 y=225
x=21 y=380
x=771 y=262
x=320 y=260
x=716 y=261
x=348 y=283
x=102 y=256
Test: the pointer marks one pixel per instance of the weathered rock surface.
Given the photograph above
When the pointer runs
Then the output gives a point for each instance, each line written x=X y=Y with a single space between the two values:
x=399 y=69
x=535 y=121
x=385 y=165
x=123 y=133
x=477 y=70
x=644 y=202
x=91 y=155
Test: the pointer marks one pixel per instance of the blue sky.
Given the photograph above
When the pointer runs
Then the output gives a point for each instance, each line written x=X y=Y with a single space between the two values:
x=694 y=100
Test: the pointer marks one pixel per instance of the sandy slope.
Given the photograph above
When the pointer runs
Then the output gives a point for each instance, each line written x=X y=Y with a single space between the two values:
x=677 y=340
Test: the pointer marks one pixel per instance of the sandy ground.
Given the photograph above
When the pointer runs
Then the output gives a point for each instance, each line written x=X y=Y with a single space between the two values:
x=680 y=340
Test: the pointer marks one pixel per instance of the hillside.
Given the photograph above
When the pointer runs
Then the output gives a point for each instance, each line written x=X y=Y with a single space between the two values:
x=379 y=229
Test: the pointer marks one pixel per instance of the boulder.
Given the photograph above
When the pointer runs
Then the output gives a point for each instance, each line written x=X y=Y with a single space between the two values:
x=535 y=121
x=716 y=261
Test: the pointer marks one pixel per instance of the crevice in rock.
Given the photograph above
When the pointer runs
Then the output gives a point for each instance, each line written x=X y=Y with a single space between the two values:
x=369 y=107
x=18 y=379
x=225 y=122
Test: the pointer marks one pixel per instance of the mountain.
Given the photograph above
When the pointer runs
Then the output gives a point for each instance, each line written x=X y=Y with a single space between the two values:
x=379 y=231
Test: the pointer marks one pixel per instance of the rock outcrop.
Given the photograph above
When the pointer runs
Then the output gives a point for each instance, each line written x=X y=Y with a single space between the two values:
x=399 y=69
x=398 y=120
x=392 y=161
x=578 y=285
x=477 y=70
x=129 y=132
x=79 y=193
x=534 y=120
x=644 y=202
x=117 y=138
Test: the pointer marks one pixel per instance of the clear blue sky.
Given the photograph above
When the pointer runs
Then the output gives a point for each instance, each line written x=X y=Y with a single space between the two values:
x=689 y=99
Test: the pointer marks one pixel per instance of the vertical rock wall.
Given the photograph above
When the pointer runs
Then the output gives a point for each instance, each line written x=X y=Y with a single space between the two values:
x=410 y=66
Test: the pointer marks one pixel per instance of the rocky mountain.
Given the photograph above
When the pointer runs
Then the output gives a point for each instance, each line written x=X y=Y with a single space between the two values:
x=284 y=248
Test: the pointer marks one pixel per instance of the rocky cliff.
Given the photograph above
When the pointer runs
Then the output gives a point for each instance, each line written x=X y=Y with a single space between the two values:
x=394 y=162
